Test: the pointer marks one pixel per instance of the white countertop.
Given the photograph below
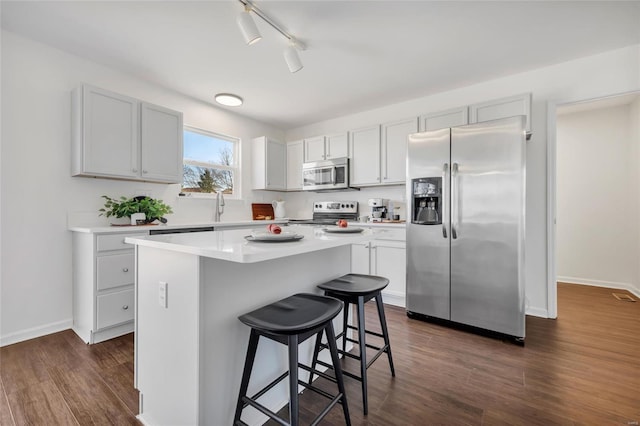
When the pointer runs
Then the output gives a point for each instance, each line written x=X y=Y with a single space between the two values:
x=145 y=228
x=231 y=245
x=247 y=223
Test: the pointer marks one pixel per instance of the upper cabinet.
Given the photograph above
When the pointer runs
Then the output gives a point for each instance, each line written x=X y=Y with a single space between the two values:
x=394 y=150
x=269 y=159
x=443 y=119
x=321 y=148
x=365 y=156
x=115 y=136
x=502 y=108
x=294 y=165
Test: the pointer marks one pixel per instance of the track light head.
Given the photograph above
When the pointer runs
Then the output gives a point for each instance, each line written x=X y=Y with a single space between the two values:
x=248 y=27
x=292 y=58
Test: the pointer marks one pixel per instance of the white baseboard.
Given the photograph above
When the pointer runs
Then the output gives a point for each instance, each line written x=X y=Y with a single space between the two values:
x=537 y=312
x=32 y=333
x=597 y=283
x=394 y=298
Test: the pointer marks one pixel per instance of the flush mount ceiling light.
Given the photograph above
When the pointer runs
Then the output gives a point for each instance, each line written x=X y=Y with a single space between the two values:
x=251 y=34
x=228 y=99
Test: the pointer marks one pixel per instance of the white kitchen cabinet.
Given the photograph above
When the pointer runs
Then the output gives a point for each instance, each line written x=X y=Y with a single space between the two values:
x=365 y=156
x=385 y=256
x=394 y=150
x=502 y=108
x=269 y=164
x=119 y=137
x=389 y=260
x=314 y=149
x=295 y=159
x=328 y=147
x=161 y=144
x=443 y=119
x=103 y=285
x=337 y=146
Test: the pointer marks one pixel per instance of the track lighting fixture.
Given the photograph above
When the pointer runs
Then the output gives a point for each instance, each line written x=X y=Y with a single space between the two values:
x=248 y=26
x=292 y=58
x=251 y=34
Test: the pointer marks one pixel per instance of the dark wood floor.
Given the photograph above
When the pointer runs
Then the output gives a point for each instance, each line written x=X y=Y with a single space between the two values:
x=581 y=369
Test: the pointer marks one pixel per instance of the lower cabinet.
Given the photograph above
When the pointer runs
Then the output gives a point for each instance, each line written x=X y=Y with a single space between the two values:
x=103 y=286
x=386 y=258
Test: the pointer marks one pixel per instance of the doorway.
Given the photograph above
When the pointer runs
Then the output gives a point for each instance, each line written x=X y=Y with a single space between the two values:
x=594 y=194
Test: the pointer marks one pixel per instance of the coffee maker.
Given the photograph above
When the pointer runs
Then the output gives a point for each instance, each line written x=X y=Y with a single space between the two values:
x=378 y=209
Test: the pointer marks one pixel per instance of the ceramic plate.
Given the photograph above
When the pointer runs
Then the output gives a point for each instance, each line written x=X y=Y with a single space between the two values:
x=274 y=238
x=338 y=230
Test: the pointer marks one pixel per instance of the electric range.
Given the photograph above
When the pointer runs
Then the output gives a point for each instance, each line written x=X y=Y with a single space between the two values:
x=328 y=212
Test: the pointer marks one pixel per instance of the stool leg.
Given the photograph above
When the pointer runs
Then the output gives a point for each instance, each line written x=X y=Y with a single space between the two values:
x=294 y=407
x=363 y=353
x=345 y=323
x=316 y=351
x=385 y=332
x=246 y=374
x=331 y=340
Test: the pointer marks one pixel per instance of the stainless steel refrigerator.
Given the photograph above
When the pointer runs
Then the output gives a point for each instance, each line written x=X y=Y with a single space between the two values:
x=465 y=236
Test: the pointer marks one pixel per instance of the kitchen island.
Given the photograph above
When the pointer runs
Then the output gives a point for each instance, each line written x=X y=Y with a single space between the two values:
x=190 y=289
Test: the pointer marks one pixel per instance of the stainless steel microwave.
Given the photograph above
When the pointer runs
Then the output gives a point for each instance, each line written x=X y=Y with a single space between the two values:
x=323 y=175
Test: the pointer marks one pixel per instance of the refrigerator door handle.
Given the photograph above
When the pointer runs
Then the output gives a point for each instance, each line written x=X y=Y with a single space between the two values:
x=454 y=200
x=445 y=169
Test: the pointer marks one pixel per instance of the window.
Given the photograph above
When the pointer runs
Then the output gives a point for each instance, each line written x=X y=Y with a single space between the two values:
x=210 y=162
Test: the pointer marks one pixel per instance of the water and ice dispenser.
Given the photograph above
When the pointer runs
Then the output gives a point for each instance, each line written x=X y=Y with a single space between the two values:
x=426 y=201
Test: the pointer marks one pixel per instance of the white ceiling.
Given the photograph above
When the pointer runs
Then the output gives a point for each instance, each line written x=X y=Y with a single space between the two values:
x=361 y=54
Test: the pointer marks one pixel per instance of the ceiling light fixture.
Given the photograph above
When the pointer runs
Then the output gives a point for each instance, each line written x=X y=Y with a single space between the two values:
x=291 y=52
x=248 y=26
x=228 y=99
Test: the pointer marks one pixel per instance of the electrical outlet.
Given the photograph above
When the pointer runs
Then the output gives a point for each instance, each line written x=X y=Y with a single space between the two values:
x=163 y=290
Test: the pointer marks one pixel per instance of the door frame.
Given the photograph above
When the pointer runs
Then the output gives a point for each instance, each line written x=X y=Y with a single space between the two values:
x=552 y=110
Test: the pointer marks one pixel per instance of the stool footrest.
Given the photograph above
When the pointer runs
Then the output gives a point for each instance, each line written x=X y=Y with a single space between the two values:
x=373 y=333
x=344 y=373
x=264 y=410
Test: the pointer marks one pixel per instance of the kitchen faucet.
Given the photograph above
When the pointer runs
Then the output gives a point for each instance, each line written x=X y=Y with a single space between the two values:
x=219 y=208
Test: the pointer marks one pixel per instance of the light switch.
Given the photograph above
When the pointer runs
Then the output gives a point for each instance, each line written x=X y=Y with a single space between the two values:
x=162 y=294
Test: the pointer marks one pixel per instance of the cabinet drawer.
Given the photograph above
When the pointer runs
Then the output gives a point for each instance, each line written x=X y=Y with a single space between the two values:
x=114 y=241
x=114 y=271
x=115 y=308
x=392 y=234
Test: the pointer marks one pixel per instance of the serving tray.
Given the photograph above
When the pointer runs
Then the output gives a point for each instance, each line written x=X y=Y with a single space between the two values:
x=338 y=230
x=274 y=238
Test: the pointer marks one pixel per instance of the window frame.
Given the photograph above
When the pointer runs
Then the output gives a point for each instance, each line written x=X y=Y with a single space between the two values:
x=235 y=168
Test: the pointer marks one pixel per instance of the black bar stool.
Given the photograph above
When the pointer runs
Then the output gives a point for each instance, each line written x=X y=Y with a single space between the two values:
x=357 y=289
x=291 y=321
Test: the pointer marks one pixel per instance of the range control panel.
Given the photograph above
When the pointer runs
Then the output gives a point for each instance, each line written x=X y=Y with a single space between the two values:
x=335 y=207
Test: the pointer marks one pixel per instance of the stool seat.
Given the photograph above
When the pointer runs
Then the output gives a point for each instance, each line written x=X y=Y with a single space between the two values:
x=355 y=284
x=294 y=315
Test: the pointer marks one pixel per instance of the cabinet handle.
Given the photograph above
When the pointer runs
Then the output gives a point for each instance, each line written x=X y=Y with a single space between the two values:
x=125 y=269
x=134 y=170
x=125 y=307
x=144 y=171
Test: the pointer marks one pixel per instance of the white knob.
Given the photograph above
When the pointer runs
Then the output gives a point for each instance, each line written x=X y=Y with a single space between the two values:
x=125 y=269
x=125 y=307
x=144 y=171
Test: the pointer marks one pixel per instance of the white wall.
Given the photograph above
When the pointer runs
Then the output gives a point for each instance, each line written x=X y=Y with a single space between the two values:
x=39 y=195
x=597 y=198
x=596 y=76
x=634 y=122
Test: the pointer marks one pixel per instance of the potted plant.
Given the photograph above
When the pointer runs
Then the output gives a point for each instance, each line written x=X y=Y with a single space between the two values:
x=125 y=207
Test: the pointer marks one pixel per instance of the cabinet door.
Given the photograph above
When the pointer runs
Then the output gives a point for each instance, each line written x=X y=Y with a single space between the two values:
x=294 y=165
x=443 y=119
x=109 y=136
x=276 y=165
x=337 y=146
x=360 y=259
x=394 y=149
x=314 y=149
x=365 y=156
x=502 y=108
x=161 y=144
x=389 y=260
